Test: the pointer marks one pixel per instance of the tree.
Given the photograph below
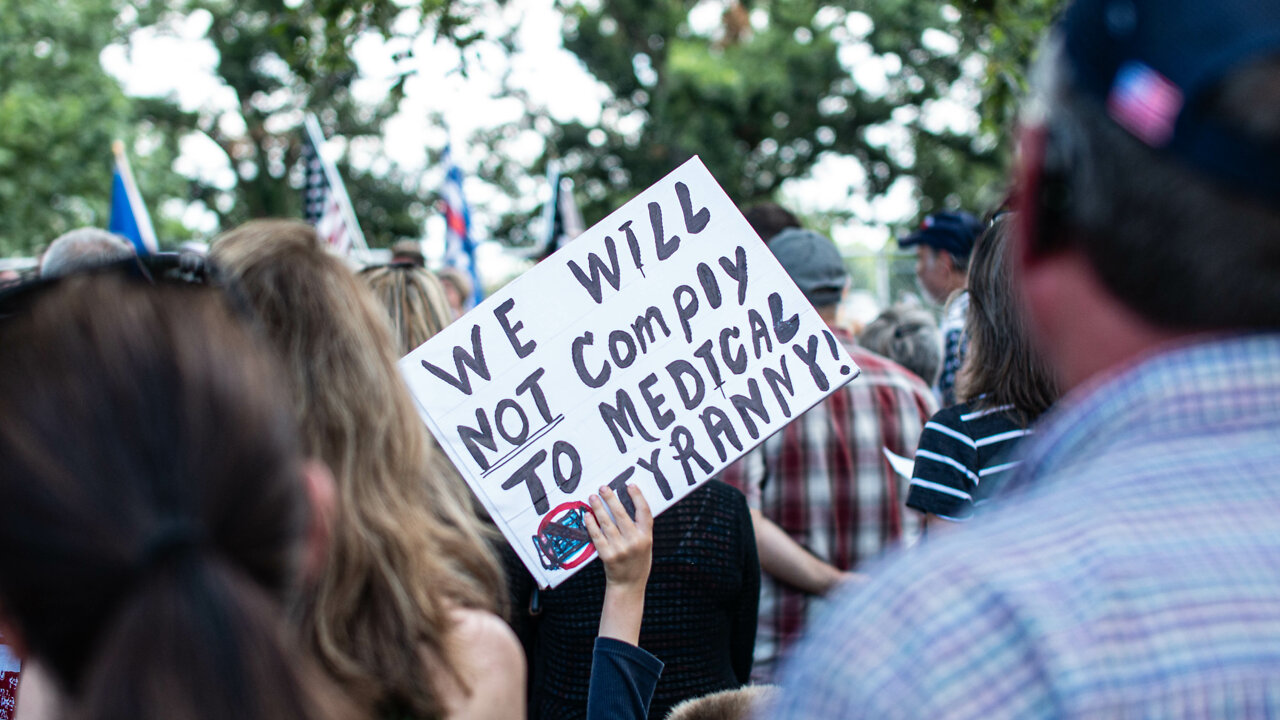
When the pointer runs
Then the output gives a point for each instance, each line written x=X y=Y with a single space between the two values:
x=758 y=105
x=762 y=96
x=283 y=59
x=59 y=110
x=59 y=113
x=976 y=53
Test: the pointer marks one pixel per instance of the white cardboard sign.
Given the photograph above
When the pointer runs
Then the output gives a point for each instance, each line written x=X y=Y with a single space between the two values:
x=654 y=349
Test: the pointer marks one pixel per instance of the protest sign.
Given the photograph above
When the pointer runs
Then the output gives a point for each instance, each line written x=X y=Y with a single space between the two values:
x=655 y=349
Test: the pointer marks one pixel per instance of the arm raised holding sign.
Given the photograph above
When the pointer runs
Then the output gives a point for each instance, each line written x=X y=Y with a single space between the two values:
x=626 y=548
x=623 y=676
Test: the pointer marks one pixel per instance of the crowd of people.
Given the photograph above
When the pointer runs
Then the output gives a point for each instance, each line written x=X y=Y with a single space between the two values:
x=217 y=498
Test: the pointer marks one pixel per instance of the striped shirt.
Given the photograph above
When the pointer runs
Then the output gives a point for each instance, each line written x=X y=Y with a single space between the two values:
x=963 y=452
x=1132 y=570
x=825 y=481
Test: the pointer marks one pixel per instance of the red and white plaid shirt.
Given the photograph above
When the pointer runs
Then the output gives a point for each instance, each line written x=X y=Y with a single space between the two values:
x=825 y=481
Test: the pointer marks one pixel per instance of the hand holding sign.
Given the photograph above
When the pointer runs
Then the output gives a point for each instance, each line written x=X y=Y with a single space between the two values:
x=654 y=350
x=625 y=545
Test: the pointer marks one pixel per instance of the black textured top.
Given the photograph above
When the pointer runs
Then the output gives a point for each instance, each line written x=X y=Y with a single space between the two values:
x=699 y=610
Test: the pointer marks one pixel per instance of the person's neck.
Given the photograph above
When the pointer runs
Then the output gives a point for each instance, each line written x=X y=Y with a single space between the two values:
x=830 y=315
x=959 y=282
x=1084 y=330
x=1106 y=342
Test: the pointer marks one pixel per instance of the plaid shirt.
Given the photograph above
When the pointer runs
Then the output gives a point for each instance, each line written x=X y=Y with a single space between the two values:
x=1133 y=572
x=825 y=481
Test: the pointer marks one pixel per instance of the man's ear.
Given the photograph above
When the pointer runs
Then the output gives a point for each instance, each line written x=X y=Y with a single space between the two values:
x=948 y=261
x=322 y=495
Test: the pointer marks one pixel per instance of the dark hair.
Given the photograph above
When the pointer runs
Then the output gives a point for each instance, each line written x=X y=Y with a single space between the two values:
x=959 y=262
x=1184 y=251
x=151 y=505
x=1001 y=367
x=769 y=219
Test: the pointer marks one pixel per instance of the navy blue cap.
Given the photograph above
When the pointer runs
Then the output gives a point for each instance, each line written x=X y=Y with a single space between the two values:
x=954 y=232
x=1155 y=63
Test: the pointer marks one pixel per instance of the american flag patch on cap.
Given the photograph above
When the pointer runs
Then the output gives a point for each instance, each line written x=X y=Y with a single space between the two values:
x=1145 y=103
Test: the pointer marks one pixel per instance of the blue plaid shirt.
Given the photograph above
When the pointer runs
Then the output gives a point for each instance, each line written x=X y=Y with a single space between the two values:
x=1133 y=571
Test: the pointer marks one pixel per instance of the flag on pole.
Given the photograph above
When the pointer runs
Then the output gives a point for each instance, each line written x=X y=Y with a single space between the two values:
x=325 y=201
x=459 y=247
x=129 y=218
x=560 y=215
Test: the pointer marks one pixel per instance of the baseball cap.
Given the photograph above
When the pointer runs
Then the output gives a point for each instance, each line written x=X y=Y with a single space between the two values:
x=814 y=264
x=1154 y=65
x=954 y=232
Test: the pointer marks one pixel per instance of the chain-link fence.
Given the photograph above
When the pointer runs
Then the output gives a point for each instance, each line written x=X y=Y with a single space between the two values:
x=878 y=280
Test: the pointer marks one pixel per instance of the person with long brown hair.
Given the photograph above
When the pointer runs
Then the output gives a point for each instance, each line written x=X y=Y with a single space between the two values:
x=1003 y=386
x=404 y=614
x=153 y=507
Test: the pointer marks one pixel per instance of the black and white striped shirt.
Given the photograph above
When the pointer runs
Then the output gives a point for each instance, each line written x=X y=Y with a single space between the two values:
x=963 y=453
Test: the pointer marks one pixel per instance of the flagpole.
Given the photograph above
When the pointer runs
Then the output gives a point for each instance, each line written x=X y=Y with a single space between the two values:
x=140 y=214
x=312 y=127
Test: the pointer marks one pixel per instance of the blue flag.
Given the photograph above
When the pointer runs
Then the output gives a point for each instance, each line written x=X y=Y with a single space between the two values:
x=459 y=247
x=129 y=218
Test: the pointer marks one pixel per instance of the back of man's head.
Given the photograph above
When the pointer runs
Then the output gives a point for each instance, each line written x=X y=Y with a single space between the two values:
x=735 y=704
x=1161 y=157
x=768 y=219
x=814 y=264
x=908 y=336
x=83 y=248
x=408 y=252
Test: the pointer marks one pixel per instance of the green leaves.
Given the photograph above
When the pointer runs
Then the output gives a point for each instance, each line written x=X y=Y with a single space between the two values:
x=286 y=58
x=59 y=110
x=779 y=83
x=761 y=90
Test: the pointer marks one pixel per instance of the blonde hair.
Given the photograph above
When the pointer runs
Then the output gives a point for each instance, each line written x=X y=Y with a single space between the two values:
x=414 y=299
x=736 y=704
x=405 y=550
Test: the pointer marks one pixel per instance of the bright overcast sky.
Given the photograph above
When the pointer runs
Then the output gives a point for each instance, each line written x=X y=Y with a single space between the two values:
x=180 y=62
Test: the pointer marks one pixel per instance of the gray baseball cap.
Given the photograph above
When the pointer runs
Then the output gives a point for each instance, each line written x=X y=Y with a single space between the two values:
x=814 y=264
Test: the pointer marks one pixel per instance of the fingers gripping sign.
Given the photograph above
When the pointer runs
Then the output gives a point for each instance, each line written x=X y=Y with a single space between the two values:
x=625 y=545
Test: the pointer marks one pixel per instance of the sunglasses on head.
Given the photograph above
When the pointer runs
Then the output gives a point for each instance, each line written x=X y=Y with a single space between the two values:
x=169 y=269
